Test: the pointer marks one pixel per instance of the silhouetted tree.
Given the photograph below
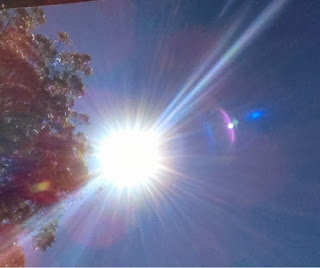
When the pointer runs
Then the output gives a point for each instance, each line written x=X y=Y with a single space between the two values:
x=42 y=156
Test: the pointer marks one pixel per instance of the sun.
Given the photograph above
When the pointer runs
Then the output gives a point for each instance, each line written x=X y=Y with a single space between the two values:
x=130 y=157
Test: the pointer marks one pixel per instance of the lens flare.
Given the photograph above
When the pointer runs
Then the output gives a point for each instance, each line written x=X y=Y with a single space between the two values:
x=230 y=125
x=256 y=115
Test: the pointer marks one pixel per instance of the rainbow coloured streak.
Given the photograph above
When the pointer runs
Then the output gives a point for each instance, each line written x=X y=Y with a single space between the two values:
x=211 y=58
x=184 y=102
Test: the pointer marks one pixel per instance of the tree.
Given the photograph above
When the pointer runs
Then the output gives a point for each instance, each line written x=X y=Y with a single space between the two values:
x=11 y=253
x=13 y=256
x=46 y=237
x=42 y=156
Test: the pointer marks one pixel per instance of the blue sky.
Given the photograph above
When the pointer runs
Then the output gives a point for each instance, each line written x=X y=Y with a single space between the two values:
x=250 y=201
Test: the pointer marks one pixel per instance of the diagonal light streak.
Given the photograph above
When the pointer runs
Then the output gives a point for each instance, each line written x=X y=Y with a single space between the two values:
x=183 y=102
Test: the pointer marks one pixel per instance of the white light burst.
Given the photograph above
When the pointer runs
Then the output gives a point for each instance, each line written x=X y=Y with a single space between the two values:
x=130 y=157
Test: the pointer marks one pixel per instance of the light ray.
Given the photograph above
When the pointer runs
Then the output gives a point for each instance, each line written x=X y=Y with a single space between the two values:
x=184 y=103
x=201 y=70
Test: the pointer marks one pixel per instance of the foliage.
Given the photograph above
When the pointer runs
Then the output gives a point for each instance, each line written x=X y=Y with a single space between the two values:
x=13 y=257
x=11 y=253
x=46 y=237
x=42 y=156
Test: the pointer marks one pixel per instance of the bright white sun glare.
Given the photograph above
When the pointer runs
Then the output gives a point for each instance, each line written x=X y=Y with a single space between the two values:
x=130 y=157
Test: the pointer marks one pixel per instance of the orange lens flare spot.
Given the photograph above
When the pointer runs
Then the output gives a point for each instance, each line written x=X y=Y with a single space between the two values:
x=40 y=187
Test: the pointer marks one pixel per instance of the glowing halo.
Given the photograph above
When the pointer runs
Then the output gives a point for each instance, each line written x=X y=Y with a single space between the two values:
x=130 y=157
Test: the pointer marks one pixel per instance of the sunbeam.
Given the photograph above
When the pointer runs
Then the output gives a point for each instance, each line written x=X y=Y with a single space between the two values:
x=185 y=102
